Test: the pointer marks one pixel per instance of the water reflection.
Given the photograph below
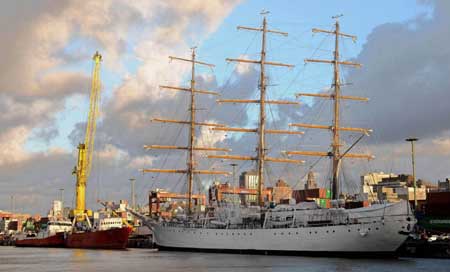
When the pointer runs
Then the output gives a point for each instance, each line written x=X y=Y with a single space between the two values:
x=42 y=259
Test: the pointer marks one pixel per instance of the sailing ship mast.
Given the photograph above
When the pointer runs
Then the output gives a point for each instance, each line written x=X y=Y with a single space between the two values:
x=191 y=148
x=336 y=96
x=261 y=157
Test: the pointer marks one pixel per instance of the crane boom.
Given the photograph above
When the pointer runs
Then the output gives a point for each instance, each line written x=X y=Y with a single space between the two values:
x=86 y=149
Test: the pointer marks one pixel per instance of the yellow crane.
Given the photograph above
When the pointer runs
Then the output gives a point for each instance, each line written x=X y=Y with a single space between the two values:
x=86 y=149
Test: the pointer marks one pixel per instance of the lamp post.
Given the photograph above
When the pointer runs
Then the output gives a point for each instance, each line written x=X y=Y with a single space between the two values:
x=133 y=196
x=61 y=198
x=234 y=181
x=412 y=140
x=234 y=172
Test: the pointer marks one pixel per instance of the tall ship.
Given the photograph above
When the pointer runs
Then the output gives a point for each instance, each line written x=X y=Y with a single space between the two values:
x=108 y=233
x=303 y=228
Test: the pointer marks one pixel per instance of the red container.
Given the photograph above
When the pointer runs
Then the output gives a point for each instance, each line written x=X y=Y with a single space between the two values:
x=304 y=195
x=438 y=204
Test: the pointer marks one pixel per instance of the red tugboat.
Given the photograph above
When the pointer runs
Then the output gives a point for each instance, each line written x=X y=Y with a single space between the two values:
x=50 y=235
x=108 y=233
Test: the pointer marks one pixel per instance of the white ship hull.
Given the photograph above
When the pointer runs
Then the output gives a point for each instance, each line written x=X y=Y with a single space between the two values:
x=379 y=230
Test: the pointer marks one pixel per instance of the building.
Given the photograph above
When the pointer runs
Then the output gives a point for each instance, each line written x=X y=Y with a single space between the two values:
x=394 y=189
x=282 y=192
x=444 y=186
x=249 y=180
x=11 y=222
x=369 y=181
x=311 y=181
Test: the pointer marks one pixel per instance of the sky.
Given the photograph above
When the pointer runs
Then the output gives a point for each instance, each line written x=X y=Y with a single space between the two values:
x=45 y=82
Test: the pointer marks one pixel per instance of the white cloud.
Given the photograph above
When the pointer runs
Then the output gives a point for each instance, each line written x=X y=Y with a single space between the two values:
x=141 y=162
x=12 y=144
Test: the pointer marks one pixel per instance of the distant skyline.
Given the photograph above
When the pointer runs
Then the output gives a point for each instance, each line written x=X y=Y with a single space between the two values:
x=44 y=87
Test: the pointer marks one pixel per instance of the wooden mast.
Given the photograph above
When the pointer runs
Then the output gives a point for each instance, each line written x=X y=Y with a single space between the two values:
x=335 y=154
x=262 y=115
x=191 y=166
x=337 y=93
x=261 y=157
x=191 y=148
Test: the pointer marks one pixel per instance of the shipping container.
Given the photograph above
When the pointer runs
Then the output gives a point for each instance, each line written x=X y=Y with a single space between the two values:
x=438 y=204
x=323 y=202
x=305 y=195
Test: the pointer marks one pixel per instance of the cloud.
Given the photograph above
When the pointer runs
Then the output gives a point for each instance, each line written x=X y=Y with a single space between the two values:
x=405 y=75
x=44 y=54
x=12 y=145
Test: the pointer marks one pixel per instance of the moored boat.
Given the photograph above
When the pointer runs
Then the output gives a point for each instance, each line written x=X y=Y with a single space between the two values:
x=52 y=235
x=115 y=238
x=301 y=228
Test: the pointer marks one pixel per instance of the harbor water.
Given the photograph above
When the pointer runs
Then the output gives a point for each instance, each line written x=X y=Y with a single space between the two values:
x=49 y=259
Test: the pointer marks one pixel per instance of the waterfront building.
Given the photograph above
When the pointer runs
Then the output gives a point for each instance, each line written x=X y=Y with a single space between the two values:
x=369 y=181
x=249 y=180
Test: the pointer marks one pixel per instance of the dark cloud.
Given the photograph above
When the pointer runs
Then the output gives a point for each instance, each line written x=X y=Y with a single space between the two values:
x=405 y=74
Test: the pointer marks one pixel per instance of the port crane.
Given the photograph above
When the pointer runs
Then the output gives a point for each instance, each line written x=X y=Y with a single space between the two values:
x=86 y=149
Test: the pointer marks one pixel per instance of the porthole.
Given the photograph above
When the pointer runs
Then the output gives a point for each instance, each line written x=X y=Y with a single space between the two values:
x=289 y=233
x=376 y=228
x=296 y=232
x=310 y=232
x=334 y=231
x=368 y=229
x=315 y=232
x=348 y=230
